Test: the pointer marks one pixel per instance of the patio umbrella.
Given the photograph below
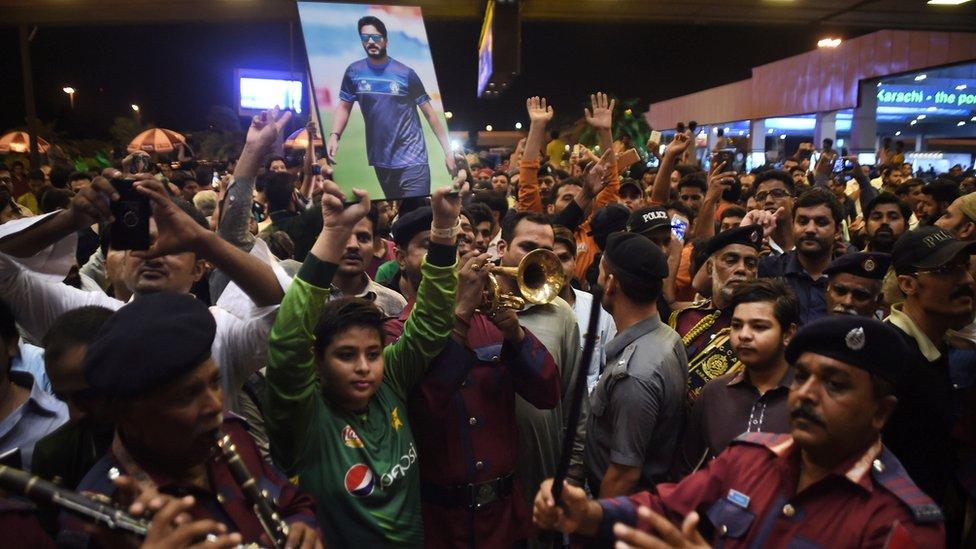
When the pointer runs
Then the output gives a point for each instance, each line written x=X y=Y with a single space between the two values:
x=299 y=140
x=158 y=140
x=19 y=142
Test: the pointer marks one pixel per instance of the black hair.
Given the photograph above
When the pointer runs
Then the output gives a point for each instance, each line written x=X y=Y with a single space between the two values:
x=55 y=199
x=786 y=307
x=503 y=174
x=732 y=211
x=374 y=21
x=942 y=190
x=35 y=174
x=374 y=217
x=554 y=191
x=682 y=209
x=828 y=142
x=180 y=178
x=776 y=175
x=720 y=132
x=905 y=186
x=192 y=211
x=686 y=169
x=696 y=180
x=271 y=160
x=73 y=328
x=78 y=176
x=881 y=387
x=699 y=254
x=565 y=237
x=554 y=134
x=817 y=196
x=345 y=313
x=279 y=243
x=888 y=198
x=512 y=221
x=640 y=290
x=496 y=202
x=480 y=212
x=279 y=188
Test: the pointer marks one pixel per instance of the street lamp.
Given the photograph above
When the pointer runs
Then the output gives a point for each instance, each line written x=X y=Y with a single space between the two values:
x=71 y=95
x=135 y=107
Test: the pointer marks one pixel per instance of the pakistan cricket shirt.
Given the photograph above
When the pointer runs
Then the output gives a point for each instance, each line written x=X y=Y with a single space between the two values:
x=361 y=468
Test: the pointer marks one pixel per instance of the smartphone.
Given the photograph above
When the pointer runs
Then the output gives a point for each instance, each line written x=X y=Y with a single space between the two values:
x=656 y=136
x=727 y=156
x=679 y=226
x=848 y=165
x=627 y=159
x=130 y=230
x=215 y=182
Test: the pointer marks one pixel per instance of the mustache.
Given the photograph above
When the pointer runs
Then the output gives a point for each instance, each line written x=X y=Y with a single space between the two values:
x=963 y=291
x=803 y=411
x=843 y=310
x=352 y=256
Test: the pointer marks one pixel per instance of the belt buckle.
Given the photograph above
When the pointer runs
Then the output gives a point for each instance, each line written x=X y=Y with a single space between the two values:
x=482 y=494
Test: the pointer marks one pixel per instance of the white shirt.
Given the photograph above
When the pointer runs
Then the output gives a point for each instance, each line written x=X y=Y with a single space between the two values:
x=581 y=306
x=33 y=289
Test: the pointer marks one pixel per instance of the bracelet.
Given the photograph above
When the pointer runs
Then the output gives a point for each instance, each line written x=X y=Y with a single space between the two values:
x=336 y=134
x=447 y=234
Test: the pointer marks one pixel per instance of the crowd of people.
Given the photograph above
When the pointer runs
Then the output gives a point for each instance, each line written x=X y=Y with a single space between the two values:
x=783 y=357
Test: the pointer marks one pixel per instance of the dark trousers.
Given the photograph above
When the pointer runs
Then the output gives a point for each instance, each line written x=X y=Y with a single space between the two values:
x=404 y=182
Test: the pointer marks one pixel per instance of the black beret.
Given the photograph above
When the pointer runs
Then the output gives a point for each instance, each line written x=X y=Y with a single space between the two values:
x=927 y=248
x=861 y=342
x=409 y=224
x=608 y=219
x=149 y=342
x=864 y=264
x=748 y=235
x=636 y=255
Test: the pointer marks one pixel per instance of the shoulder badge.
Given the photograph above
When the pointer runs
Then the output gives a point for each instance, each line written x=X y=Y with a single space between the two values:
x=895 y=479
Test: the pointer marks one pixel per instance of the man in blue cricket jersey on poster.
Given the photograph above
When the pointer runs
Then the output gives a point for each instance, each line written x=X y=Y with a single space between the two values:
x=389 y=93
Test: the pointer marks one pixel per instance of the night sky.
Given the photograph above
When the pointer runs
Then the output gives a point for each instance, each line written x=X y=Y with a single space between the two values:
x=175 y=73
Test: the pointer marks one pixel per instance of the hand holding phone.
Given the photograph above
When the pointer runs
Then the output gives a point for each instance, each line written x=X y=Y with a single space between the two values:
x=130 y=229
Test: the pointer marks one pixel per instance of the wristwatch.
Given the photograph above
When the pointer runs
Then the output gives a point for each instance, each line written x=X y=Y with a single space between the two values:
x=447 y=234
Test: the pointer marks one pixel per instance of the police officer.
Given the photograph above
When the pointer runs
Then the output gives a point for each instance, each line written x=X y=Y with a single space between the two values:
x=854 y=283
x=733 y=257
x=151 y=364
x=829 y=483
x=637 y=407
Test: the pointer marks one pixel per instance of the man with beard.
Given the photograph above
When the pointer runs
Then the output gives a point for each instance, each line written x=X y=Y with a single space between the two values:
x=389 y=93
x=960 y=218
x=886 y=219
x=637 y=409
x=933 y=273
x=910 y=191
x=829 y=483
x=854 y=283
x=816 y=220
x=351 y=278
x=151 y=364
x=765 y=315
x=704 y=326
x=936 y=197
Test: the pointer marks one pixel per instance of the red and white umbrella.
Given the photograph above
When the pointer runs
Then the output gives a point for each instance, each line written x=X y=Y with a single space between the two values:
x=19 y=142
x=299 y=140
x=158 y=140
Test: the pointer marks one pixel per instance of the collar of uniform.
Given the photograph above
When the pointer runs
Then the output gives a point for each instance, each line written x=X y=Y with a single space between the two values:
x=367 y=293
x=793 y=267
x=40 y=400
x=898 y=318
x=857 y=467
x=743 y=377
x=628 y=336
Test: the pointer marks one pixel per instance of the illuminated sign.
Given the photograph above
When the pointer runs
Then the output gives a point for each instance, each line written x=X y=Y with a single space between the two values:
x=924 y=96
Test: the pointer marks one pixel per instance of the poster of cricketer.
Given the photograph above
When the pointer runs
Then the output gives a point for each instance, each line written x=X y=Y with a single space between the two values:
x=376 y=93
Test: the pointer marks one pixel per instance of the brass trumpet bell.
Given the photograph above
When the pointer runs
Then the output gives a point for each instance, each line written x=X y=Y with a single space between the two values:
x=539 y=277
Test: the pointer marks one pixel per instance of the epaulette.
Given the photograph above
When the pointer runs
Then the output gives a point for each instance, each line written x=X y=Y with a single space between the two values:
x=888 y=472
x=701 y=303
x=773 y=441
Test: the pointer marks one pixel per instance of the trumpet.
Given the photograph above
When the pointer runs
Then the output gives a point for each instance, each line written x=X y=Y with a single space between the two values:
x=48 y=493
x=539 y=276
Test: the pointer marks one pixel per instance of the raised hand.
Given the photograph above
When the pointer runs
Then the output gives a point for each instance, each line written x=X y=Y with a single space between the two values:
x=91 y=204
x=718 y=180
x=601 y=115
x=678 y=145
x=266 y=127
x=177 y=231
x=769 y=221
x=335 y=214
x=595 y=175
x=538 y=110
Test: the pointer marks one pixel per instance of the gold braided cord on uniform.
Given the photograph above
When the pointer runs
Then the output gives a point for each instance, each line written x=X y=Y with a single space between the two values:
x=701 y=327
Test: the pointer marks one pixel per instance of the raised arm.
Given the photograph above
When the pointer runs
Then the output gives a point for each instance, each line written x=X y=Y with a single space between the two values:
x=307 y=175
x=292 y=383
x=868 y=192
x=530 y=196
x=600 y=118
x=661 y=190
x=718 y=181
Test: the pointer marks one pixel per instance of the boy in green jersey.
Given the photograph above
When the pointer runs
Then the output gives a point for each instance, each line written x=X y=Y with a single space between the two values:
x=336 y=402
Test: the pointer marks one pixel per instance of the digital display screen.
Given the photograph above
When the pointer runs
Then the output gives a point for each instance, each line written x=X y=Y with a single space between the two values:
x=484 y=49
x=265 y=93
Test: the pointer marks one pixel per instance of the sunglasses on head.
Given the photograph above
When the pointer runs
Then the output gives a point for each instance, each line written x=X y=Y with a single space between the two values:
x=775 y=193
x=376 y=38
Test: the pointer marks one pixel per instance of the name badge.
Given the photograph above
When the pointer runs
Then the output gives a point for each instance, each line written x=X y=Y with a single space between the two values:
x=738 y=498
